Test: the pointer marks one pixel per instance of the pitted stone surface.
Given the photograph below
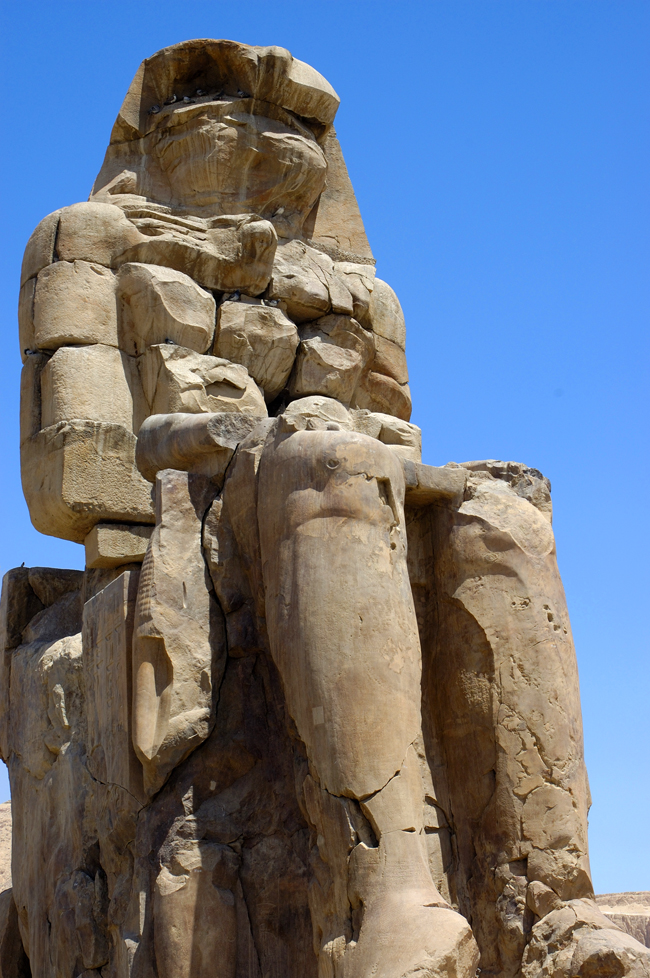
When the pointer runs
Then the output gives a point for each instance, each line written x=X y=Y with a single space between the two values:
x=312 y=709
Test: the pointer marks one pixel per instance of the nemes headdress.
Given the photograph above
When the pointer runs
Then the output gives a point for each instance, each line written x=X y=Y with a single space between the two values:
x=267 y=81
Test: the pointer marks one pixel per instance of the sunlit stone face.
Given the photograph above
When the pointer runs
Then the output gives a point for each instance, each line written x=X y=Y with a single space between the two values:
x=241 y=156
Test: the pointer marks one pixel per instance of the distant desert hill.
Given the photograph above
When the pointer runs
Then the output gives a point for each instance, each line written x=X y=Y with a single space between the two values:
x=5 y=845
x=629 y=911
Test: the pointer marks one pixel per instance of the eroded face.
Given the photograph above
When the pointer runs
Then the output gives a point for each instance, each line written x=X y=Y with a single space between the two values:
x=236 y=156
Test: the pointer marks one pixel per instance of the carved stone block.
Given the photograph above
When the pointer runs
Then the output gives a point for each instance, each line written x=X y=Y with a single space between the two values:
x=74 y=302
x=160 y=304
x=107 y=637
x=330 y=726
x=262 y=339
x=332 y=354
x=96 y=383
x=78 y=473
x=114 y=544
x=175 y=379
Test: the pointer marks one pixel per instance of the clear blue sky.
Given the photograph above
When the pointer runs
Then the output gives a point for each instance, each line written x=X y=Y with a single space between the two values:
x=499 y=152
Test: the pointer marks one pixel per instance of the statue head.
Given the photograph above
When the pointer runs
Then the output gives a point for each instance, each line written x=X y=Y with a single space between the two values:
x=214 y=127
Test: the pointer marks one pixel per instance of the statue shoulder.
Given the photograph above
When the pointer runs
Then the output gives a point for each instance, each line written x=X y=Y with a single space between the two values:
x=385 y=313
x=90 y=231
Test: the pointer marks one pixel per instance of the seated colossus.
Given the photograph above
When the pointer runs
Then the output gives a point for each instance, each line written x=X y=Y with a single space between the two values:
x=208 y=351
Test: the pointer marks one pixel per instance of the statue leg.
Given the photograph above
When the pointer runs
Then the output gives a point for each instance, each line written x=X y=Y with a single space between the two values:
x=504 y=690
x=343 y=634
x=179 y=650
x=195 y=920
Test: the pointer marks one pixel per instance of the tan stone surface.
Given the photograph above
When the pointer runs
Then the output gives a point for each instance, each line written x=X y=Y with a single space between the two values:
x=114 y=544
x=183 y=949
x=178 y=648
x=30 y=395
x=260 y=338
x=225 y=253
x=335 y=222
x=232 y=547
x=159 y=304
x=176 y=379
x=74 y=302
x=26 y=317
x=309 y=283
x=344 y=736
x=299 y=280
x=39 y=250
x=332 y=354
x=404 y=438
x=267 y=73
x=359 y=279
x=242 y=787
x=358 y=481
x=380 y=393
x=510 y=713
x=577 y=939
x=78 y=473
x=291 y=162
x=50 y=786
x=95 y=383
x=318 y=412
x=430 y=484
x=51 y=583
x=386 y=314
x=383 y=385
x=107 y=638
x=299 y=552
x=27 y=594
x=77 y=464
x=203 y=444
x=231 y=820
x=13 y=960
x=93 y=231
x=390 y=359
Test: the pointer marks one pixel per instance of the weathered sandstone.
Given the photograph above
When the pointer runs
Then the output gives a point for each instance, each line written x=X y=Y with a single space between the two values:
x=74 y=302
x=333 y=351
x=79 y=473
x=311 y=710
x=203 y=443
x=159 y=305
x=96 y=383
x=260 y=338
x=176 y=379
x=114 y=544
x=13 y=960
x=386 y=314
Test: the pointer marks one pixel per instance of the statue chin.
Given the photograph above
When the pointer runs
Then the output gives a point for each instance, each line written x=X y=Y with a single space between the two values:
x=240 y=163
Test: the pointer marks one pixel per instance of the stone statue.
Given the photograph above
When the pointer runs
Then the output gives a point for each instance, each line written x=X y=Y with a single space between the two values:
x=312 y=709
